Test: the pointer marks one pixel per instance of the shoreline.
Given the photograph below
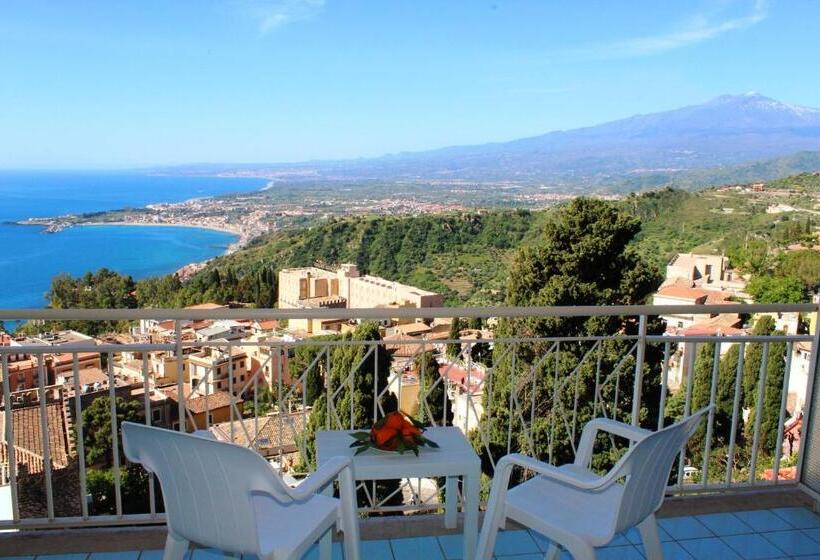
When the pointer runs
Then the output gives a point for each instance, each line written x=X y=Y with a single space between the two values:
x=239 y=241
x=161 y=224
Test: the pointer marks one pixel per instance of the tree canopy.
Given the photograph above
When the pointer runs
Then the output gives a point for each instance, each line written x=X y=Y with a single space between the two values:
x=583 y=258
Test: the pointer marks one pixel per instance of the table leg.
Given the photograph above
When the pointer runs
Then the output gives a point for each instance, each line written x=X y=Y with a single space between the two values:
x=451 y=502
x=472 y=484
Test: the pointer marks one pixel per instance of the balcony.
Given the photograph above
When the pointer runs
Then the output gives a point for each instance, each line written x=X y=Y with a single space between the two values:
x=745 y=485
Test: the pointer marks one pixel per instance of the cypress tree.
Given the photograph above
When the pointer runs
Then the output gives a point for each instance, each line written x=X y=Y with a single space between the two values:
x=434 y=396
x=454 y=348
x=583 y=258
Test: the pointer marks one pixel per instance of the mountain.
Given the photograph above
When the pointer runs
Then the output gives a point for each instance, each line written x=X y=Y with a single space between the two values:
x=727 y=131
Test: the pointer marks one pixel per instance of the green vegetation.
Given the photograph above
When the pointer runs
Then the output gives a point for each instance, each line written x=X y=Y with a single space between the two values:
x=583 y=258
x=776 y=289
x=98 y=445
x=729 y=220
x=467 y=256
x=434 y=403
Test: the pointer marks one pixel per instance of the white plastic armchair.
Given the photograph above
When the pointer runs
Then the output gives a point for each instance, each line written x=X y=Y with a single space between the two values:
x=225 y=496
x=579 y=510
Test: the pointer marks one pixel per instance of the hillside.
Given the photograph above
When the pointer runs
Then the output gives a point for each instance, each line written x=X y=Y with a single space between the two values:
x=729 y=220
x=466 y=255
x=462 y=255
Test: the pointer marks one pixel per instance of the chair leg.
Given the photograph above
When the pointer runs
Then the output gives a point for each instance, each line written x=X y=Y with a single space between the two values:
x=486 y=539
x=581 y=551
x=649 y=535
x=552 y=552
x=326 y=544
x=175 y=547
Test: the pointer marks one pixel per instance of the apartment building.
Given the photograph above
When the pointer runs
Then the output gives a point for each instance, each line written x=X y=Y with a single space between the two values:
x=208 y=370
x=313 y=287
x=710 y=272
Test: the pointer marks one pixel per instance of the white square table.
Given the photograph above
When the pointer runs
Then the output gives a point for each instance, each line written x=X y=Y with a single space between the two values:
x=454 y=458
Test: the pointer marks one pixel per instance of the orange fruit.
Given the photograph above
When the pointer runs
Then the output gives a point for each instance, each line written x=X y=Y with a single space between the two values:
x=394 y=420
x=410 y=431
x=382 y=435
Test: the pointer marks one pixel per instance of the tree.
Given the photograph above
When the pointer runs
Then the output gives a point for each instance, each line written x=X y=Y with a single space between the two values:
x=754 y=357
x=481 y=353
x=701 y=395
x=774 y=289
x=98 y=444
x=583 y=258
x=306 y=362
x=160 y=291
x=724 y=405
x=434 y=403
x=801 y=265
x=104 y=289
x=454 y=348
x=772 y=396
x=97 y=439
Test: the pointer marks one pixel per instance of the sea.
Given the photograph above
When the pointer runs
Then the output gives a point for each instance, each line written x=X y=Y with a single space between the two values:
x=29 y=257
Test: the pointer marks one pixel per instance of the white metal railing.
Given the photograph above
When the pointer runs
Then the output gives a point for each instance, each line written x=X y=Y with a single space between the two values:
x=552 y=385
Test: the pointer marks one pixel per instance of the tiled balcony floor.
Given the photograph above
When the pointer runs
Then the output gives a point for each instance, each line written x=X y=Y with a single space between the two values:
x=790 y=532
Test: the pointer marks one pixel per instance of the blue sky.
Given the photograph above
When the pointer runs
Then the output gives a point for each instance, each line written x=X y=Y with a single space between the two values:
x=118 y=84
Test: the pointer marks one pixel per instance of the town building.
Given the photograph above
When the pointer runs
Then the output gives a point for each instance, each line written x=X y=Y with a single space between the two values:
x=682 y=293
x=313 y=287
x=202 y=411
x=209 y=370
x=710 y=272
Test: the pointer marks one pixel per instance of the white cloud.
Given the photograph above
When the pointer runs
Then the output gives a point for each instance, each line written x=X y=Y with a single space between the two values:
x=699 y=28
x=272 y=14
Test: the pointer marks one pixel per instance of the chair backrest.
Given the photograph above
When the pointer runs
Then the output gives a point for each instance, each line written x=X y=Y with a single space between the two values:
x=647 y=467
x=207 y=485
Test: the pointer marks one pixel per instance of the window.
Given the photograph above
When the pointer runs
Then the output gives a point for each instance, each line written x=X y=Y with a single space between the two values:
x=210 y=418
x=156 y=415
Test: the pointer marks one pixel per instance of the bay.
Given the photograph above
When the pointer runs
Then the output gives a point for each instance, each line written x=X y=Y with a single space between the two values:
x=29 y=258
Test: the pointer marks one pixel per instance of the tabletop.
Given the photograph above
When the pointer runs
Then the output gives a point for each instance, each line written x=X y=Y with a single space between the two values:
x=454 y=456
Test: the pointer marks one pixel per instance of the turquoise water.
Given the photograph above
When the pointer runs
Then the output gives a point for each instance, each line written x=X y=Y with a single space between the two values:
x=29 y=258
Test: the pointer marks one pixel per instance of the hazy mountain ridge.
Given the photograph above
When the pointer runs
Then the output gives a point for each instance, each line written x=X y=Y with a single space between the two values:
x=725 y=133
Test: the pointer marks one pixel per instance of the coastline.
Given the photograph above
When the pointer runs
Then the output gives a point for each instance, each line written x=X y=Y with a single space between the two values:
x=241 y=240
x=232 y=231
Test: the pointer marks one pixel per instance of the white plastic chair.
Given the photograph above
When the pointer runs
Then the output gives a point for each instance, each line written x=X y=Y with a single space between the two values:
x=579 y=510
x=228 y=497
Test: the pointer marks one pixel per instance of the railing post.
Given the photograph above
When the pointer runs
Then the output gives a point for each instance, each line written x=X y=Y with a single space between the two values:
x=41 y=374
x=112 y=396
x=710 y=422
x=761 y=394
x=146 y=385
x=781 y=415
x=735 y=414
x=78 y=412
x=9 y=437
x=809 y=407
x=637 y=391
x=180 y=375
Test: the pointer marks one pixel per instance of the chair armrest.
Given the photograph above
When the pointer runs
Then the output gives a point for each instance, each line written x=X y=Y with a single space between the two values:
x=583 y=456
x=204 y=434
x=550 y=471
x=323 y=476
